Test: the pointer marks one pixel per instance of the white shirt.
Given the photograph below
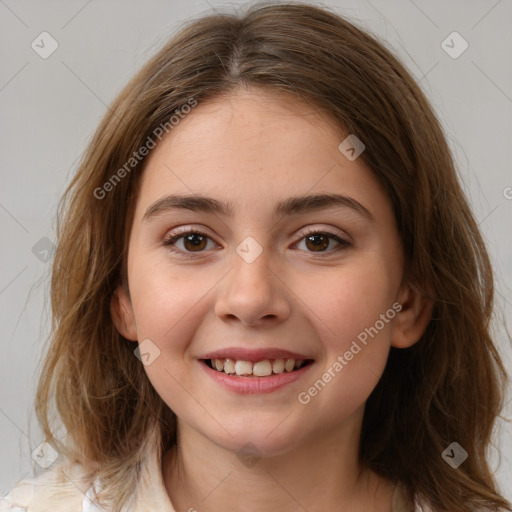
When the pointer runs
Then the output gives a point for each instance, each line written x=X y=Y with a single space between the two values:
x=65 y=488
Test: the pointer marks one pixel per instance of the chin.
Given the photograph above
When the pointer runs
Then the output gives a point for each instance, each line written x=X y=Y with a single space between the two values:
x=262 y=442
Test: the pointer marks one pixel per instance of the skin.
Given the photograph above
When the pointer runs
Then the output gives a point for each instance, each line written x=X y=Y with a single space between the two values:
x=254 y=149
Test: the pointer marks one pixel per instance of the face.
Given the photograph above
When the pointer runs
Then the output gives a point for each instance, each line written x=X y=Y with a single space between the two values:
x=273 y=273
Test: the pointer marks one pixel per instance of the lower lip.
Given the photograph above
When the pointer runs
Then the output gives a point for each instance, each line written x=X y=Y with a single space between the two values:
x=254 y=385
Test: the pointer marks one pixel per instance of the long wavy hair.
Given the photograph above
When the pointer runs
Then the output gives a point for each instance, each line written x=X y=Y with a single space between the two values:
x=447 y=387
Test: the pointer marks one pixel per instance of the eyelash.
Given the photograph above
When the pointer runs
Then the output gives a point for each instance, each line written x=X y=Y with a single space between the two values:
x=174 y=237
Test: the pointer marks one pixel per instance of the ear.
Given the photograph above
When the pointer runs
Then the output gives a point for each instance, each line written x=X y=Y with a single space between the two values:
x=412 y=320
x=122 y=313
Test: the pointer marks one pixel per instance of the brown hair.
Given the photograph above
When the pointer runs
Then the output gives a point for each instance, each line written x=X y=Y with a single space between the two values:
x=447 y=387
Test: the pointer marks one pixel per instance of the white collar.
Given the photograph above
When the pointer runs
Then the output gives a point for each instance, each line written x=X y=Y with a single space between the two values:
x=151 y=493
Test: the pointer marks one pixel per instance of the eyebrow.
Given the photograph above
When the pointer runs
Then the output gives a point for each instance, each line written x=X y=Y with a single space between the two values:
x=290 y=206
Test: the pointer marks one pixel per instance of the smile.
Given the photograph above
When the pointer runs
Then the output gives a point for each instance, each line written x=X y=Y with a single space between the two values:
x=255 y=377
x=263 y=368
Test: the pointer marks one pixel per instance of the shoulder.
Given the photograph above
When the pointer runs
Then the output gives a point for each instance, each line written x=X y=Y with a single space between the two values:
x=63 y=488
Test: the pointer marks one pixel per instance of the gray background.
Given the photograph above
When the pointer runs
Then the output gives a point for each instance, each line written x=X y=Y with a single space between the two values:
x=50 y=108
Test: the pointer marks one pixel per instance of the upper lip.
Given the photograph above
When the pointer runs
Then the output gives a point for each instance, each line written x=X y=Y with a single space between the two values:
x=246 y=354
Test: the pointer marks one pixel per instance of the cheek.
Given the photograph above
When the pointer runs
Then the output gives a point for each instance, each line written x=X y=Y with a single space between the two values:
x=350 y=310
x=349 y=301
x=166 y=301
x=167 y=306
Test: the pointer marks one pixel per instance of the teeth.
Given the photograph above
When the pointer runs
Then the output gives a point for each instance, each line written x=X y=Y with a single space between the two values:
x=278 y=366
x=259 y=369
x=229 y=366
x=243 y=368
x=289 y=365
x=262 y=368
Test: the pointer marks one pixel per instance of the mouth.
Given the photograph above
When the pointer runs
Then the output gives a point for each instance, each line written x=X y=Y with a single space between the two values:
x=256 y=369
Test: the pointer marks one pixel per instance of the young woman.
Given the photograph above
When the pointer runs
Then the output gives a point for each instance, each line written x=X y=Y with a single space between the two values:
x=269 y=291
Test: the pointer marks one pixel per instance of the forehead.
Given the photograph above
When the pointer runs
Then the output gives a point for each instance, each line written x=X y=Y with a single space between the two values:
x=254 y=148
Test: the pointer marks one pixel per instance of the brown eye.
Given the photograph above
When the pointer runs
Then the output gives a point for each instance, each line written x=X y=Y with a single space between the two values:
x=197 y=242
x=192 y=242
x=318 y=242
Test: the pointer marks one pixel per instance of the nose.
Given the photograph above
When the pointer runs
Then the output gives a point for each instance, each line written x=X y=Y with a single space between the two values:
x=253 y=294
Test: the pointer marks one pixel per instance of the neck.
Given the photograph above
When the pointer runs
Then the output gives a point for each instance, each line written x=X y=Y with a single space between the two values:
x=317 y=475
